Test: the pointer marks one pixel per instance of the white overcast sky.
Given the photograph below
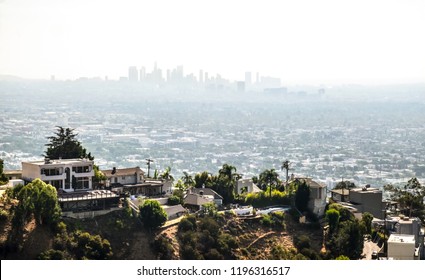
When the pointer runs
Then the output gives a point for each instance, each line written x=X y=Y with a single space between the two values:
x=299 y=41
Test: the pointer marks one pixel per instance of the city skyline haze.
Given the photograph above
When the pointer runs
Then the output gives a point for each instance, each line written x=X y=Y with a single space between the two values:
x=311 y=42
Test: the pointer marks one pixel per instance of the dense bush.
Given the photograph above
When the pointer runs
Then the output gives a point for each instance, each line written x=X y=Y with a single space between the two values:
x=174 y=200
x=263 y=199
x=152 y=214
x=162 y=247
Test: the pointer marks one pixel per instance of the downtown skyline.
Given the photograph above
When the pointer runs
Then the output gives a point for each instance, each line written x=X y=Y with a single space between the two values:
x=301 y=43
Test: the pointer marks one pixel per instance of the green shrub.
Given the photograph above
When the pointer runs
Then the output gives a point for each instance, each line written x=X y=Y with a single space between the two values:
x=185 y=225
x=162 y=246
x=174 y=200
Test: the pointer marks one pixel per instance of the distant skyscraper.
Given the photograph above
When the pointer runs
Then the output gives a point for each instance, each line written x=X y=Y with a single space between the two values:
x=206 y=77
x=133 y=75
x=247 y=79
x=142 y=73
x=257 y=80
x=201 y=76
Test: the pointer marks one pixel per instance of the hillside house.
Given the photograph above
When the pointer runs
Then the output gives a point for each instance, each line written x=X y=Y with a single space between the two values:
x=133 y=181
x=67 y=175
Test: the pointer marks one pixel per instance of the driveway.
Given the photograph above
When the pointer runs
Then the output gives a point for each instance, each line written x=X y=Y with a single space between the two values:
x=368 y=248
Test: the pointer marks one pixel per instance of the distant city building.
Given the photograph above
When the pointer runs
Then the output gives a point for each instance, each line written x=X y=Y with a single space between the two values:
x=240 y=86
x=142 y=73
x=133 y=75
x=270 y=82
x=201 y=76
x=248 y=79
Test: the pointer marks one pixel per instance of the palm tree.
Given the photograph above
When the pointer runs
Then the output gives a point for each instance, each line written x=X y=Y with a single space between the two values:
x=285 y=165
x=166 y=174
x=187 y=179
x=227 y=171
x=270 y=178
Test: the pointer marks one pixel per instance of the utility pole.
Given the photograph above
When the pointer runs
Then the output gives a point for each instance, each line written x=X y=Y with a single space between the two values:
x=148 y=163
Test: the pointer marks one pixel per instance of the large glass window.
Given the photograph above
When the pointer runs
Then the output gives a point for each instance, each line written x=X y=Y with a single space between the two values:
x=51 y=171
x=58 y=184
x=82 y=183
x=81 y=169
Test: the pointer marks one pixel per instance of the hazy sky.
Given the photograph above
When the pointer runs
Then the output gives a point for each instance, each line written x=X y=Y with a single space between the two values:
x=299 y=41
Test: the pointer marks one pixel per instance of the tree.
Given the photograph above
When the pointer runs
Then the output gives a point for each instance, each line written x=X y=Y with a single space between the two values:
x=65 y=145
x=345 y=185
x=3 y=178
x=152 y=214
x=201 y=179
x=39 y=199
x=332 y=216
x=410 y=198
x=166 y=175
x=367 y=222
x=187 y=179
x=269 y=178
x=302 y=196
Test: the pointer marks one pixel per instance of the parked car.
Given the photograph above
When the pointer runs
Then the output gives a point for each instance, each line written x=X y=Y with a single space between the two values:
x=374 y=255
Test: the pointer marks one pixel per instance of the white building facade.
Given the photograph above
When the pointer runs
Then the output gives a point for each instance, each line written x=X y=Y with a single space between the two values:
x=68 y=175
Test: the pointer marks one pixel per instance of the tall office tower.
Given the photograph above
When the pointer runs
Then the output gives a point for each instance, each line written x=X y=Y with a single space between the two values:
x=168 y=76
x=142 y=73
x=257 y=80
x=133 y=74
x=179 y=73
x=247 y=79
x=206 y=77
x=201 y=76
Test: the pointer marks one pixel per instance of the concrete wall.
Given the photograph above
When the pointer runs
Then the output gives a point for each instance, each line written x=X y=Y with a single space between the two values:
x=89 y=214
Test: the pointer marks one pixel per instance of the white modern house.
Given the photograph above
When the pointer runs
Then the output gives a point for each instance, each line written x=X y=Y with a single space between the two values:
x=67 y=175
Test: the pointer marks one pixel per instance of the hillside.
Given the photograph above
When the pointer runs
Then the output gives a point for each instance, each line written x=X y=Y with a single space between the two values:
x=129 y=241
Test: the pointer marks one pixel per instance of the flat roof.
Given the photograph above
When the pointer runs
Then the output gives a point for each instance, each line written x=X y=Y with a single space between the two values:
x=59 y=161
x=86 y=195
x=401 y=238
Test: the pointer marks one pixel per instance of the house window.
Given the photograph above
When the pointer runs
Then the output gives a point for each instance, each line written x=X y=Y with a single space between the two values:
x=81 y=169
x=58 y=184
x=51 y=171
x=82 y=183
x=123 y=177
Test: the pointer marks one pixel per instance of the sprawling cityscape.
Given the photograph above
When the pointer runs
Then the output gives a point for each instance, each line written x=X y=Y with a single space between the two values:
x=368 y=135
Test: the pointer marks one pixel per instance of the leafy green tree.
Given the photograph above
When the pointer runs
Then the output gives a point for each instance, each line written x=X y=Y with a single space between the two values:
x=64 y=144
x=332 y=216
x=201 y=179
x=39 y=199
x=367 y=222
x=410 y=198
x=302 y=196
x=3 y=178
x=152 y=214
x=345 y=185
x=210 y=209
